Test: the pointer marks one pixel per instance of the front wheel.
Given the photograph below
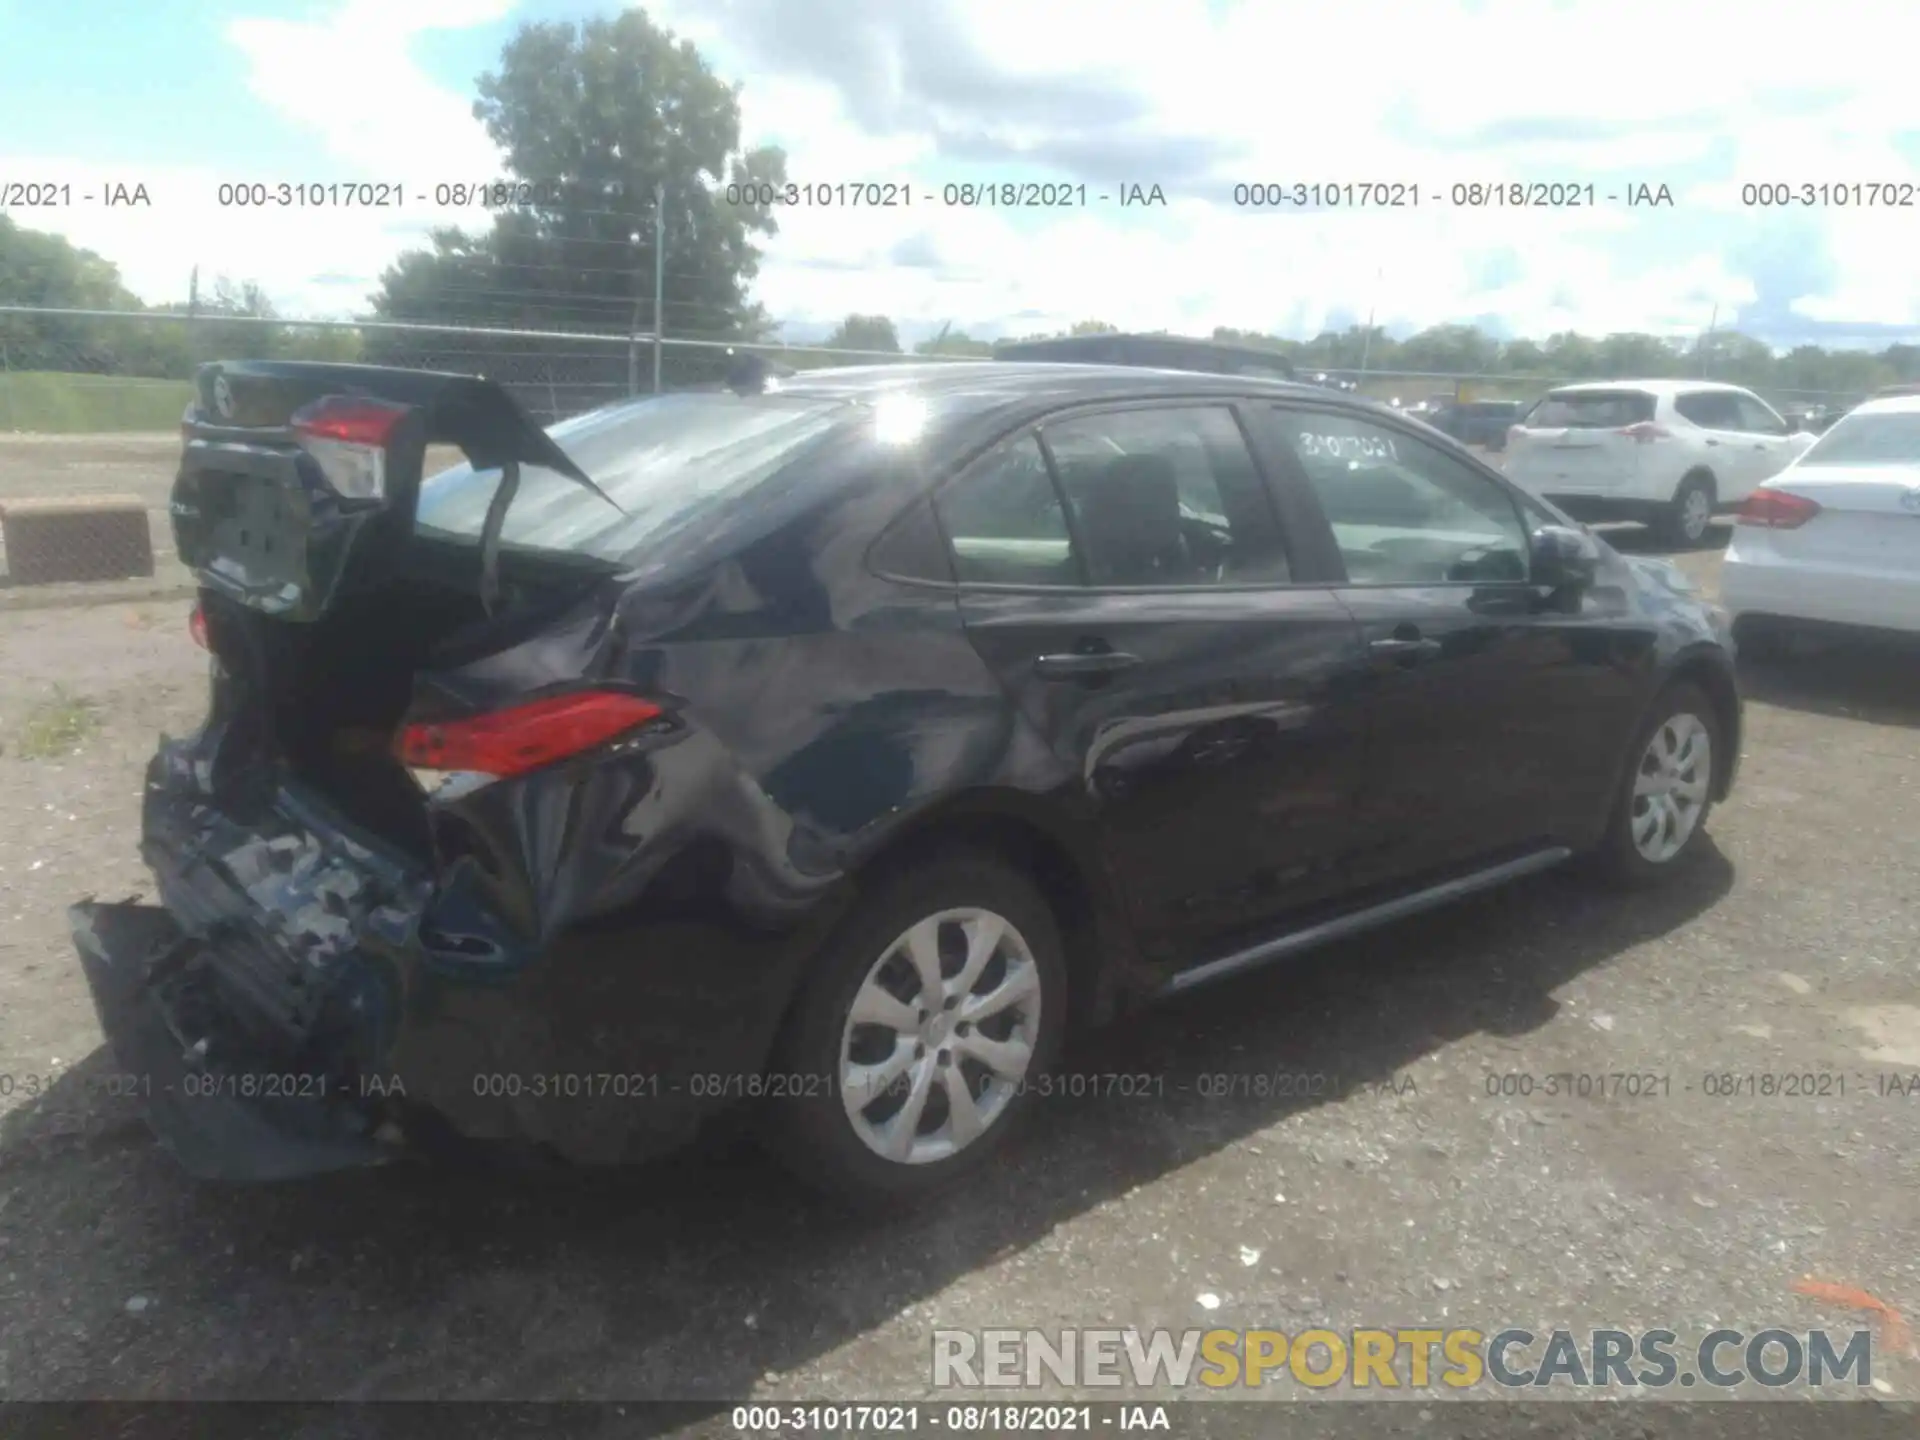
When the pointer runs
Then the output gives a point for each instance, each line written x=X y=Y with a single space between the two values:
x=1666 y=794
x=921 y=1033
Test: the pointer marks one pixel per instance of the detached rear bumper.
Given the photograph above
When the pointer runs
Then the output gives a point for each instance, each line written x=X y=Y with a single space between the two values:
x=221 y=1122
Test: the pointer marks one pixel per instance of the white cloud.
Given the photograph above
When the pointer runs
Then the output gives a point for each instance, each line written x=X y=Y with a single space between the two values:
x=348 y=77
x=1699 y=97
x=1600 y=90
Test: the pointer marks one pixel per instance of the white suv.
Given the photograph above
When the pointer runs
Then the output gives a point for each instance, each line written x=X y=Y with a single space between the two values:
x=1668 y=453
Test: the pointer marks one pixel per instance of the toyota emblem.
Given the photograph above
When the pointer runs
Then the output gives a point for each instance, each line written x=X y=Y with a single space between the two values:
x=223 y=397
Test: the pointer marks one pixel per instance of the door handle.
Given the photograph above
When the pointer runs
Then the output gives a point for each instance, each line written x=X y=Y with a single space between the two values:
x=1712 y=441
x=1082 y=664
x=1404 y=648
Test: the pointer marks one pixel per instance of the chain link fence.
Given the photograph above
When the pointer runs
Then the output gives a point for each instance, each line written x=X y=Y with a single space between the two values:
x=90 y=405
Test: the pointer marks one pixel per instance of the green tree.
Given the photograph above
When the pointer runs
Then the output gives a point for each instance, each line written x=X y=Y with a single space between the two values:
x=864 y=332
x=955 y=342
x=590 y=118
x=49 y=271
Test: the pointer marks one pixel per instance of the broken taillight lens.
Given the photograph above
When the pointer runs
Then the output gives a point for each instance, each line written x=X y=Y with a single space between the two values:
x=347 y=437
x=197 y=627
x=512 y=742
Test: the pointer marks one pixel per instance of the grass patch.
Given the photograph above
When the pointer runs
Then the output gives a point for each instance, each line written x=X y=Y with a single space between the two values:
x=39 y=402
x=57 y=726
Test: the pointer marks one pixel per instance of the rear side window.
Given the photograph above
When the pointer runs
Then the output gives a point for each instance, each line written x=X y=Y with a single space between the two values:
x=1591 y=410
x=1005 y=523
x=1711 y=409
x=1167 y=497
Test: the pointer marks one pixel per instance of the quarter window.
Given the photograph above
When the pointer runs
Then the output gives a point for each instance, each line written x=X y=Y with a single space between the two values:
x=1403 y=512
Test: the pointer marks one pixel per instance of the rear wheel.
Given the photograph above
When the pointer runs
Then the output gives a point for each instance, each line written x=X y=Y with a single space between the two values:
x=1690 y=517
x=1666 y=793
x=913 y=1050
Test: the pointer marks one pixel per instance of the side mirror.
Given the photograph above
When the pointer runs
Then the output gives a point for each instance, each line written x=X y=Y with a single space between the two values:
x=1560 y=558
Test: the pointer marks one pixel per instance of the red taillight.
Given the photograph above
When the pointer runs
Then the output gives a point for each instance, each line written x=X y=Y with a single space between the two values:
x=512 y=742
x=347 y=436
x=1775 y=510
x=1645 y=433
x=350 y=419
x=197 y=627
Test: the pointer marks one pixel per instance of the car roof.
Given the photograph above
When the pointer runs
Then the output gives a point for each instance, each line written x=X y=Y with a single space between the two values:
x=1143 y=337
x=1650 y=387
x=1889 y=405
x=956 y=389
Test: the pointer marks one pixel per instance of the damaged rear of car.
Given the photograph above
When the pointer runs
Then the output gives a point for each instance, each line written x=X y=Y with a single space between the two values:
x=396 y=864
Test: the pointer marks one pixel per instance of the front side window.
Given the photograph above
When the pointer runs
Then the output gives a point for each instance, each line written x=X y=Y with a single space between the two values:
x=1403 y=512
x=1756 y=415
x=1167 y=496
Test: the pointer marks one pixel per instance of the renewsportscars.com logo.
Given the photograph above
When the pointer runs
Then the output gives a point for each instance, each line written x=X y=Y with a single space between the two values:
x=1400 y=1358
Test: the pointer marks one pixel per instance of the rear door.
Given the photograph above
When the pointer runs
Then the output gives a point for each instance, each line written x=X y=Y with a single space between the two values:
x=1125 y=574
x=1493 y=720
x=1735 y=456
x=1580 y=442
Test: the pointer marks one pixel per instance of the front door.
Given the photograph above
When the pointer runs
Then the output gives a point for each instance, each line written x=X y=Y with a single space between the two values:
x=1125 y=575
x=1491 y=719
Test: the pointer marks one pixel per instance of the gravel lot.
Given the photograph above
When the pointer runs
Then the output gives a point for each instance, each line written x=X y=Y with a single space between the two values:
x=1405 y=1194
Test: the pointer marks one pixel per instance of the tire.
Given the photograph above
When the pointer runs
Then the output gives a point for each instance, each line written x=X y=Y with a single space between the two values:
x=1626 y=859
x=1687 y=522
x=816 y=1133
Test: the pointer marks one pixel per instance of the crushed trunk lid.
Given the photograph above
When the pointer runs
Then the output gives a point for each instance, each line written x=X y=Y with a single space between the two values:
x=298 y=481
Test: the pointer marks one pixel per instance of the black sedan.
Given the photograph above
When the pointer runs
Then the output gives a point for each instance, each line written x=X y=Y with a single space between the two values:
x=831 y=744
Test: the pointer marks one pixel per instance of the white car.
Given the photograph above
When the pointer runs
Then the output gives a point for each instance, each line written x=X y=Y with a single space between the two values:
x=1835 y=537
x=1667 y=453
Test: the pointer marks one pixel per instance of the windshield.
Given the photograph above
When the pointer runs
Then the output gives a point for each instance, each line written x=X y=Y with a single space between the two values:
x=1886 y=439
x=664 y=460
x=1591 y=410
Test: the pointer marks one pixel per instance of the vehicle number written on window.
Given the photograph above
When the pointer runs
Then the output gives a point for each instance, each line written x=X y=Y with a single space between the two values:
x=1346 y=447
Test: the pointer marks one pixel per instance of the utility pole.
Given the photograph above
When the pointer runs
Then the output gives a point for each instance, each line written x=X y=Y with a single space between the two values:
x=193 y=311
x=1366 y=340
x=659 y=273
x=633 y=328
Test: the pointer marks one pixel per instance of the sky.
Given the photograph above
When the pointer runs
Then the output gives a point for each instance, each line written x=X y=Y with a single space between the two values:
x=1197 y=97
